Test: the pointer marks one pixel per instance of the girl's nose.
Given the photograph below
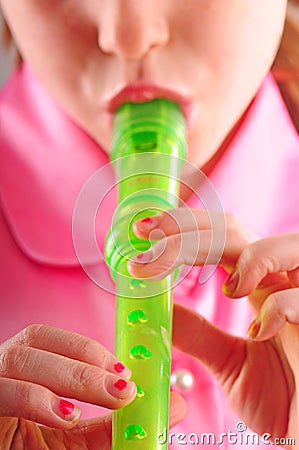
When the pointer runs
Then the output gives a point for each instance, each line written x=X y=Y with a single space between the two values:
x=130 y=28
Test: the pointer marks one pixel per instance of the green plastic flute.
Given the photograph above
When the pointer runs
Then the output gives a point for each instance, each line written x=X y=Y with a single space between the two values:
x=148 y=153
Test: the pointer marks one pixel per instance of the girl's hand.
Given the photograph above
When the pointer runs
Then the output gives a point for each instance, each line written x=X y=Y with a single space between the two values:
x=259 y=375
x=91 y=434
x=268 y=272
x=38 y=366
x=41 y=364
x=187 y=239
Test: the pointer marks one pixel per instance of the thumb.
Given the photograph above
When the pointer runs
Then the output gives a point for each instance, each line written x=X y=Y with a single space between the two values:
x=178 y=409
x=97 y=432
x=265 y=264
x=219 y=351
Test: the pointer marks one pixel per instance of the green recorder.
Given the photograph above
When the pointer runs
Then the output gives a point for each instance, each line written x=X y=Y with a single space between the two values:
x=148 y=154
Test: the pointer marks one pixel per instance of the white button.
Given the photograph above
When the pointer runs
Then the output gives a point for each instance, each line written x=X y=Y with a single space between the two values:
x=182 y=380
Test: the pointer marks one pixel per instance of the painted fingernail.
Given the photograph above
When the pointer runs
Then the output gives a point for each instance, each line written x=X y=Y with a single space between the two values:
x=120 y=388
x=143 y=257
x=119 y=367
x=66 y=410
x=254 y=328
x=112 y=365
x=231 y=283
x=148 y=222
x=120 y=384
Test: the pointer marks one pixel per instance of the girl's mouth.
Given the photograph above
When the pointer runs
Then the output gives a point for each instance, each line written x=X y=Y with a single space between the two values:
x=139 y=93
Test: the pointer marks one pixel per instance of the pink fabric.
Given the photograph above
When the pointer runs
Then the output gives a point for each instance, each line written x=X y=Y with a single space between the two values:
x=45 y=161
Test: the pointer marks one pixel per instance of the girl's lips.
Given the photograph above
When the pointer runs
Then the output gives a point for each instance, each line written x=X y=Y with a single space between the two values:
x=145 y=92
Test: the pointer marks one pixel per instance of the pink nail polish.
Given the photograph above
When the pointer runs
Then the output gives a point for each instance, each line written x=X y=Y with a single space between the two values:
x=120 y=388
x=121 y=384
x=66 y=407
x=147 y=221
x=119 y=367
x=66 y=410
x=145 y=257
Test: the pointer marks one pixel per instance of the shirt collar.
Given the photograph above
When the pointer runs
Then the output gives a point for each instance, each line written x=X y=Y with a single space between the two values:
x=42 y=173
x=250 y=176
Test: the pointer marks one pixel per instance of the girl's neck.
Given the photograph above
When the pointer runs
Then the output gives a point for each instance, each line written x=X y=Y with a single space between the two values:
x=209 y=166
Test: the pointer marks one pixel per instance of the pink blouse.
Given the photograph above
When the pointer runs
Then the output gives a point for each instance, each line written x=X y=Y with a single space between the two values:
x=45 y=161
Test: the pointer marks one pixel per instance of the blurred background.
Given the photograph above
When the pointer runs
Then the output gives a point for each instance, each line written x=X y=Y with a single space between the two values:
x=6 y=57
x=286 y=65
x=285 y=68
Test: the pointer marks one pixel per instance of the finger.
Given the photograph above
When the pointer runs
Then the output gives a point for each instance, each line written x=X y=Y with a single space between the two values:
x=168 y=254
x=267 y=256
x=66 y=377
x=97 y=432
x=220 y=352
x=278 y=309
x=191 y=248
x=180 y=220
x=174 y=221
x=69 y=344
x=178 y=408
x=8 y=427
x=293 y=276
x=92 y=434
x=36 y=403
